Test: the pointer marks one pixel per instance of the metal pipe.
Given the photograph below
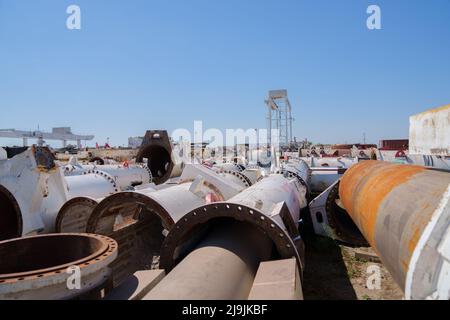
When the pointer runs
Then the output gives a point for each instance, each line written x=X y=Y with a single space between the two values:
x=157 y=153
x=37 y=267
x=403 y=212
x=169 y=202
x=74 y=214
x=124 y=176
x=96 y=185
x=34 y=188
x=339 y=162
x=138 y=220
x=221 y=267
x=271 y=206
x=329 y=219
x=236 y=177
x=197 y=186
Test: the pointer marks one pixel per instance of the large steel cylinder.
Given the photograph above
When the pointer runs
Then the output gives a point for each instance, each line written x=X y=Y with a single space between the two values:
x=236 y=177
x=74 y=214
x=300 y=169
x=124 y=176
x=138 y=220
x=403 y=211
x=157 y=153
x=221 y=267
x=267 y=193
x=34 y=189
x=43 y=267
x=197 y=186
x=270 y=208
x=95 y=185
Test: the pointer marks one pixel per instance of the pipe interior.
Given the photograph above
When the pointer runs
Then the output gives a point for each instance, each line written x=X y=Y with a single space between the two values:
x=344 y=226
x=138 y=230
x=10 y=216
x=36 y=253
x=158 y=160
x=228 y=257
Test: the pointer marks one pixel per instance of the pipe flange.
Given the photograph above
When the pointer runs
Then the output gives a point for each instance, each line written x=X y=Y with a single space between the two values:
x=341 y=223
x=238 y=167
x=245 y=180
x=102 y=210
x=146 y=167
x=186 y=227
x=78 y=201
x=49 y=281
x=293 y=175
x=103 y=174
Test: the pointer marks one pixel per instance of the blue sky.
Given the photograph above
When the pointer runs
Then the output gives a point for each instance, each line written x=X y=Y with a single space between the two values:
x=137 y=65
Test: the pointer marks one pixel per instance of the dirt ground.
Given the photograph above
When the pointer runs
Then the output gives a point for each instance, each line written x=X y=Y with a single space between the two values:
x=333 y=272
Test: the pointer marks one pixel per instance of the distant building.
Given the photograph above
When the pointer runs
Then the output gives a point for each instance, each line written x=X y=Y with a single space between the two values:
x=135 y=142
x=394 y=144
x=429 y=132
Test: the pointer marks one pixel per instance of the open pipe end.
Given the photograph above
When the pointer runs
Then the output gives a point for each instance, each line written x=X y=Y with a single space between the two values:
x=159 y=161
x=37 y=267
x=340 y=222
x=113 y=211
x=44 y=254
x=74 y=215
x=156 y=153
x=189 y=230
x=10 y=216
x=137 y=223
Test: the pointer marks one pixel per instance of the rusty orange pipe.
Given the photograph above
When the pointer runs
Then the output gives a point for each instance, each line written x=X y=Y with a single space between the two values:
x=392 y=204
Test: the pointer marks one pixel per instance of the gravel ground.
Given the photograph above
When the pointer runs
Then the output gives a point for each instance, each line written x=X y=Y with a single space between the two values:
x=333 y=272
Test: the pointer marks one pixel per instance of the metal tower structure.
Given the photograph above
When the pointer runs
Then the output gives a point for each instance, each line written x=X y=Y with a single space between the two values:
x=279 y=117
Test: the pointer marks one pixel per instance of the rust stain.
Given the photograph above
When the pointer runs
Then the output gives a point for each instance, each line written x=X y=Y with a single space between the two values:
x=433 y=111
x=419 y=224
x=373 y=181
x=413 y=240
x=404 y=265
x=351 y=179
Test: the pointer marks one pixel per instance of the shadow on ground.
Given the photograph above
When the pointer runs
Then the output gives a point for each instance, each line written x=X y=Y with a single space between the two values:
x=325 y=276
